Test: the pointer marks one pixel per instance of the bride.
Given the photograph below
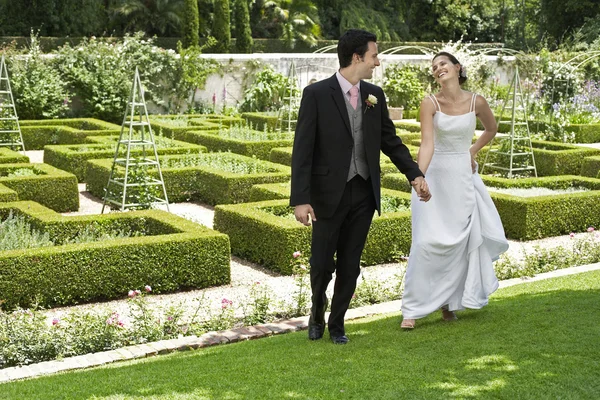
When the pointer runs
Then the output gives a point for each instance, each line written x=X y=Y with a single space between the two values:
x=457 y=234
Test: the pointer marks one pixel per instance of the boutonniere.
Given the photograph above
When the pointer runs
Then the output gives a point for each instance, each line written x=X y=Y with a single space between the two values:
x=370 y=101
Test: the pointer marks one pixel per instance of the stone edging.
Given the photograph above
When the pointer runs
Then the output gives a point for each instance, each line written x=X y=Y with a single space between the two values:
x=228 y=336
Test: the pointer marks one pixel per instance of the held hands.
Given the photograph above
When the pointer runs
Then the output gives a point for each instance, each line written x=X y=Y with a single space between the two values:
x=421 y=188
x=302 y=213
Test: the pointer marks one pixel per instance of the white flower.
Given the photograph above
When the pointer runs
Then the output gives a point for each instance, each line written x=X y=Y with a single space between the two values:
x=372 y=100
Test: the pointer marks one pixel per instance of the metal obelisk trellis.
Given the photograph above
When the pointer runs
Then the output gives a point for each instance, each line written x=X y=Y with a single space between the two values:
x=291 y=99
x=516 y=145
x=10 y=130
x=136 y=188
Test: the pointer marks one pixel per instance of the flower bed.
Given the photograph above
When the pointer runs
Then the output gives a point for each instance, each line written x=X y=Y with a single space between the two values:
x=173 y=254
x=213 y=178
x=266 y=232
x=74 y=158
x=43 y=183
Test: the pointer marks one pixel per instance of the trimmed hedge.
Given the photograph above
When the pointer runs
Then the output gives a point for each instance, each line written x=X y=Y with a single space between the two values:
x=200 y=183
x=36 y=137
x=590 y=166
x=281 y=155
x=408 y=126
x=553 y=158
x=7 y=194
x=50 y=186
x=529 y=218
x=261 y=121
x=82 y=124
x=175 y=254
x=585 y=133
x=74 y=158
x=8 y=156
x=217 y=120
x=261 y=149
x=258 y=234
x=269 y=191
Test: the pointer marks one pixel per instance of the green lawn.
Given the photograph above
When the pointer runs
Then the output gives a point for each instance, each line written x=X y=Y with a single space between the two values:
x=534 y=341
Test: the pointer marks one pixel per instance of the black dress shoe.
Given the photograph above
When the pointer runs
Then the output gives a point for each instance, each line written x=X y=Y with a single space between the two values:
x=340 y=339
x=315 y=331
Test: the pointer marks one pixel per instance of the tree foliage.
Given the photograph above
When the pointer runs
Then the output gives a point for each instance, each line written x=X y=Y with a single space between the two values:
x=221 y=26
x=191 y=26
x=243 y=33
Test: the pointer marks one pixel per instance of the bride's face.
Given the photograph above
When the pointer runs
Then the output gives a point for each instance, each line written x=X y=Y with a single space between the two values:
x=443 y=70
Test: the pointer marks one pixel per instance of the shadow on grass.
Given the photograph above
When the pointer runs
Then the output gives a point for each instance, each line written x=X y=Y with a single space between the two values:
x=533 y=341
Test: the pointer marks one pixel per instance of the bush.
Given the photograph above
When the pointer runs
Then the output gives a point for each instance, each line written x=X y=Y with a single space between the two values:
x=261 y=121
x=47 y=185
x=174 y=254
x=281 y=155
x=590 y=166
x=74 y=158
x=38 y=88
x=266 y=233
x=8 y=156
x=221 y=27
x=202 y=177
x=403 y=87
x=268 y=91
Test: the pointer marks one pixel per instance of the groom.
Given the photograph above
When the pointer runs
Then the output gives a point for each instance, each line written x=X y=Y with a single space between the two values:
x=343 y=124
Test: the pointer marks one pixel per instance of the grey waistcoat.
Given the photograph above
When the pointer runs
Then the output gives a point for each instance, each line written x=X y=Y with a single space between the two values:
x=358 y=164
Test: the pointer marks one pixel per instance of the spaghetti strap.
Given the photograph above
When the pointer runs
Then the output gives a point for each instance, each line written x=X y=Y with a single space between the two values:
x=473 y=100
x=435 y=103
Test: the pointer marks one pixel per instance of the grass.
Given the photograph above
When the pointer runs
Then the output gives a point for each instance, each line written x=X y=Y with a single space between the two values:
x=534 y=341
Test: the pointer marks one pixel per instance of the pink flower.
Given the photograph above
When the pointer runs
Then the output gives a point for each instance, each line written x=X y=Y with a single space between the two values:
x=147 y=288
x=257 y=283
x=226 y=303
x=131 y=294
x=169 y=318
x=303 y=267
x=55 y=321
x=590 y=229
x=297 y=254
x=137 y=291
x=571 y=235
x=120 y=323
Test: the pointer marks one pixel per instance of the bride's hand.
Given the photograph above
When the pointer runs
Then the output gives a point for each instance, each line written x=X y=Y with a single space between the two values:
x=474 y=164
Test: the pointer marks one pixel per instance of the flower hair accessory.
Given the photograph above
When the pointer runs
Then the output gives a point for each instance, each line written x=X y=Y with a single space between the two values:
x=370 y=101
x=463 y=72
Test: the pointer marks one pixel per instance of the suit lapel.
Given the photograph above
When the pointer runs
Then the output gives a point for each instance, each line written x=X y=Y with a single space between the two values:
x=338 y=98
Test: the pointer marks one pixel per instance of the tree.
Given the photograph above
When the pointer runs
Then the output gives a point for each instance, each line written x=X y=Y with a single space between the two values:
x=243 y=34
x=221 y=26
x=154 y=17
x=191 y=25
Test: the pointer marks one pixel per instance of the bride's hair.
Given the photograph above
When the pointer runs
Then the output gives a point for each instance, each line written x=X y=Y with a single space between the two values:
x=462 y=76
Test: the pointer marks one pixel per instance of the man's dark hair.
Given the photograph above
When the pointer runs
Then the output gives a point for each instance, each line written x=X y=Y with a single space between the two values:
x=462 y=77
x=353 y=41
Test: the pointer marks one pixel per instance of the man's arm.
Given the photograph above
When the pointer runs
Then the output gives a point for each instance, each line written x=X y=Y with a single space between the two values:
x=302 y=158
x=392 y=146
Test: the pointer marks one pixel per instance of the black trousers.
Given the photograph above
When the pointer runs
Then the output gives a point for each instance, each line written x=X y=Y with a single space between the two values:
x=342 y=235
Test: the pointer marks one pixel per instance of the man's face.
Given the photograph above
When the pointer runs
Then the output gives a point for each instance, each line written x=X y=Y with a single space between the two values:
x=368 y=62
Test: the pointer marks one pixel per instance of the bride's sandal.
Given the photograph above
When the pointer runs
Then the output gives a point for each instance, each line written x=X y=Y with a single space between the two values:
x=448 y=315
x=407 y=324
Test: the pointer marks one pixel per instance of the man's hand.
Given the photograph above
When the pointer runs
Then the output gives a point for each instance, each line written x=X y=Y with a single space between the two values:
x=302 y=213
x=421 y=188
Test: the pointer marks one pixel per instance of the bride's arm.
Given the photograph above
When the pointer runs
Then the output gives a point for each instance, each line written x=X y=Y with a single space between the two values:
x=426 y=149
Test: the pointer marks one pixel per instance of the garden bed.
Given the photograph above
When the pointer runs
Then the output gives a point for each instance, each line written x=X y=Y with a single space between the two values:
x=212 y=178
x=73 y=158
x=172 y=254
x=528 y=218
x=267 y=232
x=52 y=187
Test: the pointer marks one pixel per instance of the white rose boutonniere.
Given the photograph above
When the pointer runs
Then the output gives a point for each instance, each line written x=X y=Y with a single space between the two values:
x=370 y=101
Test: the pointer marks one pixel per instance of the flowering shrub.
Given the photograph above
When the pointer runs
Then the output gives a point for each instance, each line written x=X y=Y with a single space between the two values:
x=38 y=88
x=403 y=86
x=268 y=91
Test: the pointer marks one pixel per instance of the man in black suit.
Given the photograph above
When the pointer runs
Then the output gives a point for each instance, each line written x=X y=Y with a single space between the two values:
x=343 y=124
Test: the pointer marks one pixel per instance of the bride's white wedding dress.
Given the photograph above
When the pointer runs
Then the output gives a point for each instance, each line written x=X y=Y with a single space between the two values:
x=458 y=233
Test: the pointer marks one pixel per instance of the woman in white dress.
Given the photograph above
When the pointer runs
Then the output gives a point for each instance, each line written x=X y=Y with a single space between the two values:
x=457 y=234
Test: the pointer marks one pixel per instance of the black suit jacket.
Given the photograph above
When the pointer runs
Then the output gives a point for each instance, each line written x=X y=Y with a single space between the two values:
x=323 y=145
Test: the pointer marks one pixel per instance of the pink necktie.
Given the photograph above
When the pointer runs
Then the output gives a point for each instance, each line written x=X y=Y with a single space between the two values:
x=354 y=96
